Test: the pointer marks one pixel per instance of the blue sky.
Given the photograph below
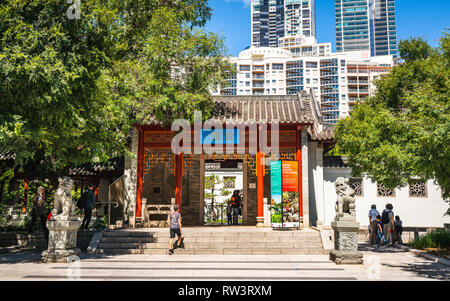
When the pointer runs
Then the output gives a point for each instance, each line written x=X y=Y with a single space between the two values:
x=231 y=19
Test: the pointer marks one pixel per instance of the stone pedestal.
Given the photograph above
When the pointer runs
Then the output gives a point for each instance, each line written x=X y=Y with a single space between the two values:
x=62 y=241
x=346 y=242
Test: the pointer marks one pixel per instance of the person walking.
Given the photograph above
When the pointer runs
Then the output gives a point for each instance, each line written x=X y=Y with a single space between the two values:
x=39 y=211
x=89 y=206
x=175 y=228
x=373 y=212
x=387 y=217
x=235 y=204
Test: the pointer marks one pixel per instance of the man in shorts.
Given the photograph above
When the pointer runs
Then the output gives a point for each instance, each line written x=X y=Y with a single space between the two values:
x=175 y=228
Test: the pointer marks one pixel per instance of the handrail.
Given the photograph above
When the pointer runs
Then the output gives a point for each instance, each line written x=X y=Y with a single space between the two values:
x=109 y=209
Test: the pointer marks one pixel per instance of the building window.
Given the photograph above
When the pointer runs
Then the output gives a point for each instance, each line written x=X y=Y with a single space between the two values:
x=357 y=185
x=229 y=182
x=418 y=188
x=383 y=191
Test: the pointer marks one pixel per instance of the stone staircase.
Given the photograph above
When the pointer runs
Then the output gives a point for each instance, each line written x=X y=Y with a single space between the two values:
x=210 y=240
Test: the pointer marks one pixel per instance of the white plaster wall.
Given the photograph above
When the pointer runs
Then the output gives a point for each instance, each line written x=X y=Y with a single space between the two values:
x=316 y=183
x=413 y=211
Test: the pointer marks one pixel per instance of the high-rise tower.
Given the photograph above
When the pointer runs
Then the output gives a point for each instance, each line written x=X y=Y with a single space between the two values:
x=274 y=19
x=366 y=25
x=383 y=28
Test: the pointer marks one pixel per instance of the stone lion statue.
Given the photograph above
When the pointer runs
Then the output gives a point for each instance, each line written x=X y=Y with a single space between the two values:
x=63 y=202
x=345 y=204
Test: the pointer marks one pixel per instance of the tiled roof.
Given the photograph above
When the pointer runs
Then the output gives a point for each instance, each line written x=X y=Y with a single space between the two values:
x=263 y=109
x=250 y=109
x=7 y=156
x=114 y=165
x=335 y=161
x=327 y=133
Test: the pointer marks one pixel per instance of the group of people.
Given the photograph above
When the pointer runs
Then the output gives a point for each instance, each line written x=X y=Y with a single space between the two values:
x=385 y=228
x=234 y=206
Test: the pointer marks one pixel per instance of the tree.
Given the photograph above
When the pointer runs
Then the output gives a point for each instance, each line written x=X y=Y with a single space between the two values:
x=212 y=191
x=71 y=89
x=403 y=131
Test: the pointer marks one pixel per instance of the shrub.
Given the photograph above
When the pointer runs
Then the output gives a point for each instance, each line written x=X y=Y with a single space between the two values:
x=435 y=239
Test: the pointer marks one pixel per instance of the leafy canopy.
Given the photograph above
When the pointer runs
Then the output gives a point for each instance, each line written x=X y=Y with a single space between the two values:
x=403 y=131
x=70 y=90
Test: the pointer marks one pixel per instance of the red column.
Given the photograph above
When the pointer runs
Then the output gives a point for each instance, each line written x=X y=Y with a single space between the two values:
x=260 y=178
x=25 y=196
x=299 y=159
x=178 y=175
x=140 y=173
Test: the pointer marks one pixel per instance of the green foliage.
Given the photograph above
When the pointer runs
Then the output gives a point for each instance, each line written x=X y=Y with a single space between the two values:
x=414 y=49
x=100 y=223
x=403 y=131
x=72 y=89
x=435 y=239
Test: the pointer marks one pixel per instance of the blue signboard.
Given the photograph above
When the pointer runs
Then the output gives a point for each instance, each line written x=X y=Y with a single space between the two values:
x=276 y=200
x=220 y=136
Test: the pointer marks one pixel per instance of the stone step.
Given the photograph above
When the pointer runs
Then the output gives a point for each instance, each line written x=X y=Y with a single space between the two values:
x=214 y=239
x=271 y=251
x=194 y=233
x=129 y=239
x=129 y=234
x=204 y=241
x=208 y=245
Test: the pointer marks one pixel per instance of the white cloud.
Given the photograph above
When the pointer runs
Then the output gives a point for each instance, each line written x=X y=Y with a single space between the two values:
x=246 y=2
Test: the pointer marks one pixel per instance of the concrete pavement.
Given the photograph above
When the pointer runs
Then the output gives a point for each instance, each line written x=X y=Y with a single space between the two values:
x=389 y=264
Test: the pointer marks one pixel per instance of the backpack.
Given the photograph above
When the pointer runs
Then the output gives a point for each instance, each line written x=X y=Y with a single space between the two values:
x=82 y=201
x=385 y=216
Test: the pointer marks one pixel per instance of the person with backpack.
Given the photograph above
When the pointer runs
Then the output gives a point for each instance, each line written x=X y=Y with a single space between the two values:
x=88 y=206
x=175 y=228
x=387 y=217
x=81 y=203
x=373 y=213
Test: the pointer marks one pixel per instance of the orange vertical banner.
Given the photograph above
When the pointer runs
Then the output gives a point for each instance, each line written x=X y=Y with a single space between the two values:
x=140 y=173
x=25 y=196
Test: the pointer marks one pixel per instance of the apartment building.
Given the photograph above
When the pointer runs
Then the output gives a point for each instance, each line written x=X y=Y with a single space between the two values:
x=274 y=19
x=337 y=80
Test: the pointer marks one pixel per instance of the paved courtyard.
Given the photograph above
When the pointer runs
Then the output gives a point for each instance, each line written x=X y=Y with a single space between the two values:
x=387 y=264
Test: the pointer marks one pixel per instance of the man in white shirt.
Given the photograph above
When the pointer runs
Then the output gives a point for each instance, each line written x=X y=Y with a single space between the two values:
x=373 y=212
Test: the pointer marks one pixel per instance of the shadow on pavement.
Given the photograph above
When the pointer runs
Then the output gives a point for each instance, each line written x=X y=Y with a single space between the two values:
x=34 y=256
x=21 y=256
x=430 y=270
x=365 y=247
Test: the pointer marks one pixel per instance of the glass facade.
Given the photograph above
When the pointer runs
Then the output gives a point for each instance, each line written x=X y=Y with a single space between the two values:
x=274 y=19
x=366 y=25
